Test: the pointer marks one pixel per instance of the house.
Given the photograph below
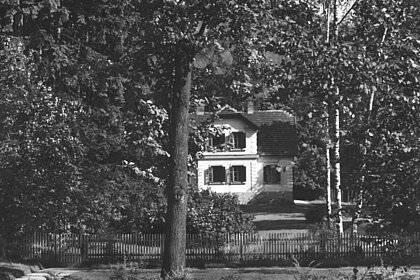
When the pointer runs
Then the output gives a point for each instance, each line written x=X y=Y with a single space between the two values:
x=254 y=153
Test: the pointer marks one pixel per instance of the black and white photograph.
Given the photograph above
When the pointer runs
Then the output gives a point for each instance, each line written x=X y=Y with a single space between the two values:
x=209 y=139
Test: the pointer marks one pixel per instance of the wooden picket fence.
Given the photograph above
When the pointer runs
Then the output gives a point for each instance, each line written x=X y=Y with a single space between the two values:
x=64 y=249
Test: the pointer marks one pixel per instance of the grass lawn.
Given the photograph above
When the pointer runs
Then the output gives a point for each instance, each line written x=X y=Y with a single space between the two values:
x=283 y=217
x=211 y=274
x=254 y=274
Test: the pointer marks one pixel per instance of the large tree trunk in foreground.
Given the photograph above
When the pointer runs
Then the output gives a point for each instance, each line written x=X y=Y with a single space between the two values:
x=175 y=240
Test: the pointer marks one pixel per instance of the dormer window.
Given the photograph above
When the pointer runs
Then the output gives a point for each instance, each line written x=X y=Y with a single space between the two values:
x=238 y=140
x=233 y=141
x=217 y=141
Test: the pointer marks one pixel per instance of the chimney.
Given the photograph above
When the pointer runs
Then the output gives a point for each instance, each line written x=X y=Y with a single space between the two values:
x=199 y=109
x=250 y=108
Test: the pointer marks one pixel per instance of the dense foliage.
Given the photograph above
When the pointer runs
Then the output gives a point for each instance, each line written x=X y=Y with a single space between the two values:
x=84 y=107
x=375 y=65
x=212 y=213
x=84 y=115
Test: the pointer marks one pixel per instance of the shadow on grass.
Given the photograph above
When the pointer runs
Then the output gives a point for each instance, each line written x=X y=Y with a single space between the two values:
x=290 y=271
x=266 y=209
x=280 y=224
x=287 y=216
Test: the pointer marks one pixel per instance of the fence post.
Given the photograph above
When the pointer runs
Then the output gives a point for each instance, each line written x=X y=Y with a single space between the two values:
x=241 y=235
x=56 y=257
x=83 y=247
x=162 y=244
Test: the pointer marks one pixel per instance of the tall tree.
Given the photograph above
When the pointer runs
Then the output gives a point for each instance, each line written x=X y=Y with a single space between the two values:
x=334 y=108
x=313 y=67
x=175 y=240
x=204 y=31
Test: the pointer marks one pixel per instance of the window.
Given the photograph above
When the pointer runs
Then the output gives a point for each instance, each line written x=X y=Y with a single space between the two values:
x=216 y=174
x=238 y=140
x=271 y=174
x=217 y=141
x=237 y=174
x=235 y=140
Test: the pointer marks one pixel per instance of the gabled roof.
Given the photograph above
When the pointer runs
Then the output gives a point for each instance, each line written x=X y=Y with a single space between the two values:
x=226 y=109
x=228 y=112
x=276 y=129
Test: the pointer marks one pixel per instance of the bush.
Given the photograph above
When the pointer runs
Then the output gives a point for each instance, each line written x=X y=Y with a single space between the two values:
x=210 y=212
x=315 y=216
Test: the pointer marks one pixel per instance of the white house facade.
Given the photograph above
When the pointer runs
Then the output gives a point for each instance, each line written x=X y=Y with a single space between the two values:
x=253 y=155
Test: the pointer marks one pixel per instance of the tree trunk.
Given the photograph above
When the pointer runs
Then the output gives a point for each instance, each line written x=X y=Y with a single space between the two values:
x=328 y=144
x=175 y=239
x=335 y=104
x=336 y=160
x=359 y=205
x=328 y=167
x=358 y=210
x=328 y=188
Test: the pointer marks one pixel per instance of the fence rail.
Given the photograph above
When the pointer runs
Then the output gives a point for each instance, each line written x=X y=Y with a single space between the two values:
x=78 y=248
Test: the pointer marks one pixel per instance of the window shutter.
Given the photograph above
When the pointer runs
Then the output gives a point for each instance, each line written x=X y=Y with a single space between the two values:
x=209 y=143
x=207 y=175
x=266 y=173
x=229 y=175
x=242 y=140
x=278 y=175
x=222 y=139
x=242 y=173
x=229 y=140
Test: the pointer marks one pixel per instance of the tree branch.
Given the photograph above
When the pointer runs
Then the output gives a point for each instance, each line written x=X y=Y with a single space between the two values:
x=383 y=36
